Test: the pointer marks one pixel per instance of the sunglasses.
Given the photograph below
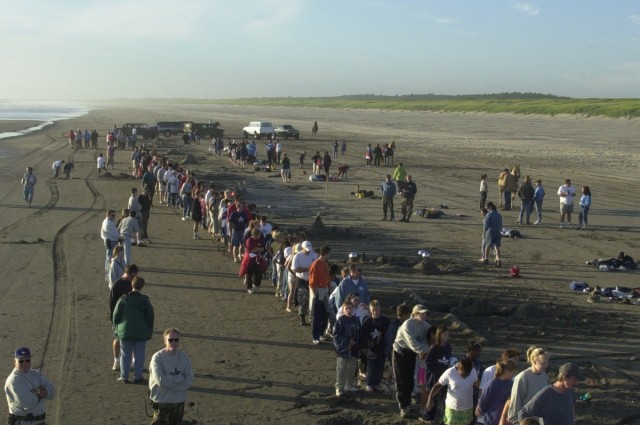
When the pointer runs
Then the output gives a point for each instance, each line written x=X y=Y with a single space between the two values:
x=24 y=361
x=173 y=339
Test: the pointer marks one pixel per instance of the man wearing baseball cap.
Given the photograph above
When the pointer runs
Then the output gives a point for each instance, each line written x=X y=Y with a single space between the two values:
x=26 y=390
x=555 y=403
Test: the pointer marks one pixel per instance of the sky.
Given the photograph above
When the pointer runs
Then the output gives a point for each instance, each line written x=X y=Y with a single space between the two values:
x=223 y=49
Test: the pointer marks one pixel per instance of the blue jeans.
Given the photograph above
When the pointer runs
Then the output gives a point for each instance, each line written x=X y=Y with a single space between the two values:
x=583 y=216
x=525 y=210
x=538 y=209
x=186 y=205
x=28 y=194
x=507 y=200
x=126 y=349
x=375 y=368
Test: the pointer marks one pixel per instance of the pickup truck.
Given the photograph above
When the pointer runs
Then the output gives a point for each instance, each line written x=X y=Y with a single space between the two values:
x=286 y=131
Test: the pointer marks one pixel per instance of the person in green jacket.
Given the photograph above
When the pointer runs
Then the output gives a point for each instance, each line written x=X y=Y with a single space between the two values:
x=399 y=175
x=133 y=320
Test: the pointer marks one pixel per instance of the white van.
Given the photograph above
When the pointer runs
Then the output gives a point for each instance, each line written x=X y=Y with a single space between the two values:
x=258 y=129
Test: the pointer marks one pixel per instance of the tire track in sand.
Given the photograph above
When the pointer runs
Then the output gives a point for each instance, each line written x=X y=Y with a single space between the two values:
x=61 y=343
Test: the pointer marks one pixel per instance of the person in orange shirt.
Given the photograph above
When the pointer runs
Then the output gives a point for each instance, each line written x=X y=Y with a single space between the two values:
x=319 y=282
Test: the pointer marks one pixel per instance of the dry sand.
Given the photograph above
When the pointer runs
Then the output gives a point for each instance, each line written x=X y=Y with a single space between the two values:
x=253 y=363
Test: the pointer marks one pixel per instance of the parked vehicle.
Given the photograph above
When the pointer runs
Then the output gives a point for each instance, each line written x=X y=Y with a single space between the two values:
x=286 y=131
x=142 y=130
x=204 y=130
x=258 y=130
x=171 y=128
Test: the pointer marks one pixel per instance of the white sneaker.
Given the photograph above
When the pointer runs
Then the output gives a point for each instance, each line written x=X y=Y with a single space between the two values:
x=350 y=388
x=339 y=392
x=116 y=365
x=537 y=222
x=195 y=236
x=368 y=389
x=184 y=218
x=403 y=413
x=250 y=291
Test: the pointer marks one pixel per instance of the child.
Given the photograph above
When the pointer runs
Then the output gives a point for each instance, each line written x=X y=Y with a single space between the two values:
x=345 y=341
x=373 y=339
x=302 y=155
x=459 y=381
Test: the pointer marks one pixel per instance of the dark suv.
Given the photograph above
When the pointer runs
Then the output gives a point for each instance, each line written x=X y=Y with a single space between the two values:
x=142 y=130
x=286 y=131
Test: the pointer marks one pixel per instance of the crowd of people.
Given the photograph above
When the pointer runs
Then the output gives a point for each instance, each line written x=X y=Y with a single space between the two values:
x=403 y=355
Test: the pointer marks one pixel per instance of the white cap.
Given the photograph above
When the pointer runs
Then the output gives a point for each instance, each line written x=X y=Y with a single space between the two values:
x=353 y=255
x=306 y=245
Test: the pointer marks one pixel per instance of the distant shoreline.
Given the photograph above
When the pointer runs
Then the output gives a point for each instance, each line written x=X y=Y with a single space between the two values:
x=17 y=125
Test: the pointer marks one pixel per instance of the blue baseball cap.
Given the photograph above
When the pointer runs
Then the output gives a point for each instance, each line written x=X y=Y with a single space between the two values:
x=22 y=353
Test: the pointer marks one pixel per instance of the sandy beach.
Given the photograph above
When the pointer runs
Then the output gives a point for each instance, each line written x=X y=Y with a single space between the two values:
x=253 y=362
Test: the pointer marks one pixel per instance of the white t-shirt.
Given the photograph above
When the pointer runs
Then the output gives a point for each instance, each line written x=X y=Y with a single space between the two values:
x=303 y=260
x=460 y=390
x=100 y=162
x=569 y=193
x=487 y=375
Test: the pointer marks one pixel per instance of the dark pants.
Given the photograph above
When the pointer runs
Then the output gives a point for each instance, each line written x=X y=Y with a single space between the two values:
x=404 y=364
x=407 y=207
x=254 y=274
x=144 y=224
x=319 y=318
x=507 y=199
x=167 y=413
x=483 y=200
x=387 y=204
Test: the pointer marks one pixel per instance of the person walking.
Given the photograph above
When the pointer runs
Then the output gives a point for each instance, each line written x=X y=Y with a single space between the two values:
x=26 y=390
x=170 y=376
x=408 y=196
x=492 y=225
x=526 y=193
x=585 y=204
x=538 y=198
x=133 y=319
x=567 y=193
x=28 y=181
x=388 y=191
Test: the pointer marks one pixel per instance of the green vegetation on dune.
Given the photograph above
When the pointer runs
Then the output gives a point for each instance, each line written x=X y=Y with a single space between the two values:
x=515 y=103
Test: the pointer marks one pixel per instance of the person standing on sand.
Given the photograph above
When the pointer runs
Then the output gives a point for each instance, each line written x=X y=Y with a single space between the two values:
x=133 y=318
x=484 y=190
x=408 y=196
x=120 y=287
x=585 y=204
x=399 y=175
x=567 y=193
x=170 y=376
x=343 y=147
x=319 y=281
x=26 y=390
x=526 y=193
x=285 y=173
x=300 y=264
x=388 y=191
x=314 y=129
x=492 y=225
x=345 y=340
x=326 y=164
x=101 y=164
x=335 y=148
x=129 y=227
x=538 y=198
x=28 y=186
x=110 y=236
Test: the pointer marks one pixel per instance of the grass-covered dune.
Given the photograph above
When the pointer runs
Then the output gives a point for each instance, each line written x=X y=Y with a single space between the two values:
x=516 y=103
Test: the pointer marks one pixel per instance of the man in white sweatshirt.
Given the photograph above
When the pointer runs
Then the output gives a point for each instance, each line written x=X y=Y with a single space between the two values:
x=170 y=378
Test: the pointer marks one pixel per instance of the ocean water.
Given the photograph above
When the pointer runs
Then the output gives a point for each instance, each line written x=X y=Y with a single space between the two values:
x=46 y=112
